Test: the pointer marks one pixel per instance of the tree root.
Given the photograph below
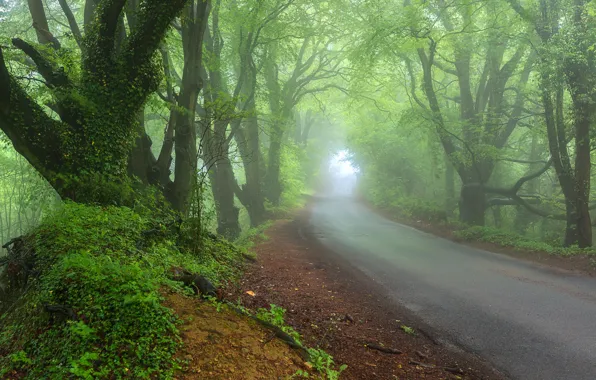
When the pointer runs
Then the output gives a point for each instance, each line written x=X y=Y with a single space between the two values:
x=454 y=370
x=278 y=332
x=386 y=350
x=201 y=285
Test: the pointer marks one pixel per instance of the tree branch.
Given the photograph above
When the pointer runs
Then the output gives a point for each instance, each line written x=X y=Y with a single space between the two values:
x=22 y=119
x=45 y=68
x=522 y=161
x=517 y=7
x=444 y=68
x=101 y=24
x=72 y=22
x=156 y=18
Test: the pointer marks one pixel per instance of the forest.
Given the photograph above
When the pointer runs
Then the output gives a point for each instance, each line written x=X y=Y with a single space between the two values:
x=214 y=117
x=478 y=112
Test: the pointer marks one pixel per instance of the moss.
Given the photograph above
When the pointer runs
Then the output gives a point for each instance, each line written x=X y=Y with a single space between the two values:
x=106 y=265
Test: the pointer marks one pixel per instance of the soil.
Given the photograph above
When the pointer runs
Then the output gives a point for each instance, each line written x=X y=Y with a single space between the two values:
x=339 y=309
x=577 y=264
x=226 y=345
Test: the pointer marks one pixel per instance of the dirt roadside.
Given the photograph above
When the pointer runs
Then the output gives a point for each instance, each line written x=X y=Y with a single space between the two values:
x=338 y=308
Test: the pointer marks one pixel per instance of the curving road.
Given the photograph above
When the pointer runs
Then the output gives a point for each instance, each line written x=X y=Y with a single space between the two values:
x=530 y=322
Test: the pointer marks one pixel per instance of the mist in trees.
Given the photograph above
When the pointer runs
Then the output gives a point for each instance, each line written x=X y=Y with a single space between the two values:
x=479 y=112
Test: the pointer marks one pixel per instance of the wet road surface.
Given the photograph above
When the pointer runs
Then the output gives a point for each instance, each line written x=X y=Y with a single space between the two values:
x=530 y=322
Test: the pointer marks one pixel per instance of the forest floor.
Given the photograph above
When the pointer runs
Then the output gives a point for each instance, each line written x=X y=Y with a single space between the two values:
x=576 y=263
x=221 y=344
x=339 y=309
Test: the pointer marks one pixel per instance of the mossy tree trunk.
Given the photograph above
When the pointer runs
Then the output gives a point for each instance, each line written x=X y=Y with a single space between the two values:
x=98 y=109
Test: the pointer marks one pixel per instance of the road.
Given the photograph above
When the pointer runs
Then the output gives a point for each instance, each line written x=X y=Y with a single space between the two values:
x=530 y=322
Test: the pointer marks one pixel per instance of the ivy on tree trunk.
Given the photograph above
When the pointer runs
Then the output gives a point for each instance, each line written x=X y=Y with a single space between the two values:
x=83 y=154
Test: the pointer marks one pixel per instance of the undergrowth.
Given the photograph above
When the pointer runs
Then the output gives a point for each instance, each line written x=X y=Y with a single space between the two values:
x=252 y=236
x=510 y=239
x=100 y=269
x=411 y=208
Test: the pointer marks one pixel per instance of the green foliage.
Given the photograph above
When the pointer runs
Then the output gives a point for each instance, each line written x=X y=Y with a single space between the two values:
x=324 y=364
x=107 y=265
x=252 y=236
x=292 y=177
x=509 y=239
x=407 y=330
x=276 y=316
x=408 y=207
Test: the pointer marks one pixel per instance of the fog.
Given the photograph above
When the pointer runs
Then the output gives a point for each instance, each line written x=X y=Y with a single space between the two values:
x=342 y=176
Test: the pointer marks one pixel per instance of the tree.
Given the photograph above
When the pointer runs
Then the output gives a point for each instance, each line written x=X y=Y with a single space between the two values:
x=316 y=62
x=487 y=119
x=569 y=60
x=83 y=151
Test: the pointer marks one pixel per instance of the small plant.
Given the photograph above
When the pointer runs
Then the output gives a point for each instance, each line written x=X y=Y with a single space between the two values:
x=320 y=360
x=324 y=364
x=251 y=236
x=300 y=374
x=20 y=359
x=276 y=316
x=408 y=330
x=82 y=368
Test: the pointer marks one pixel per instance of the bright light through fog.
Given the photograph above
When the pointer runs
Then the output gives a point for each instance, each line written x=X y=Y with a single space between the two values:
x=340 y=164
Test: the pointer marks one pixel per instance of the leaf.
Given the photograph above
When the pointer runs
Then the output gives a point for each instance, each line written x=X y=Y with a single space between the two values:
x=250 y=293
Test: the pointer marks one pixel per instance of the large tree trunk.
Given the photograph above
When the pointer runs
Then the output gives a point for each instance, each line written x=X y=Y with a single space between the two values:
x=223 y=194
x=581 y=79
x=141 y=161
x=185 y=138
x=272 y=179
x=251 y=194
x=40 y=24
x=582 y=173
x=472 y=205
x=450 y=201
x=523 y=217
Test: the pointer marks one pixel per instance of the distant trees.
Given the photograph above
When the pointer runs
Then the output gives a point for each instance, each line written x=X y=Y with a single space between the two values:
x=477 y=72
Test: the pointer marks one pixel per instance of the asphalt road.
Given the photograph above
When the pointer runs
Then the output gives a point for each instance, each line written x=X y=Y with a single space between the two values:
x=529 y=321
